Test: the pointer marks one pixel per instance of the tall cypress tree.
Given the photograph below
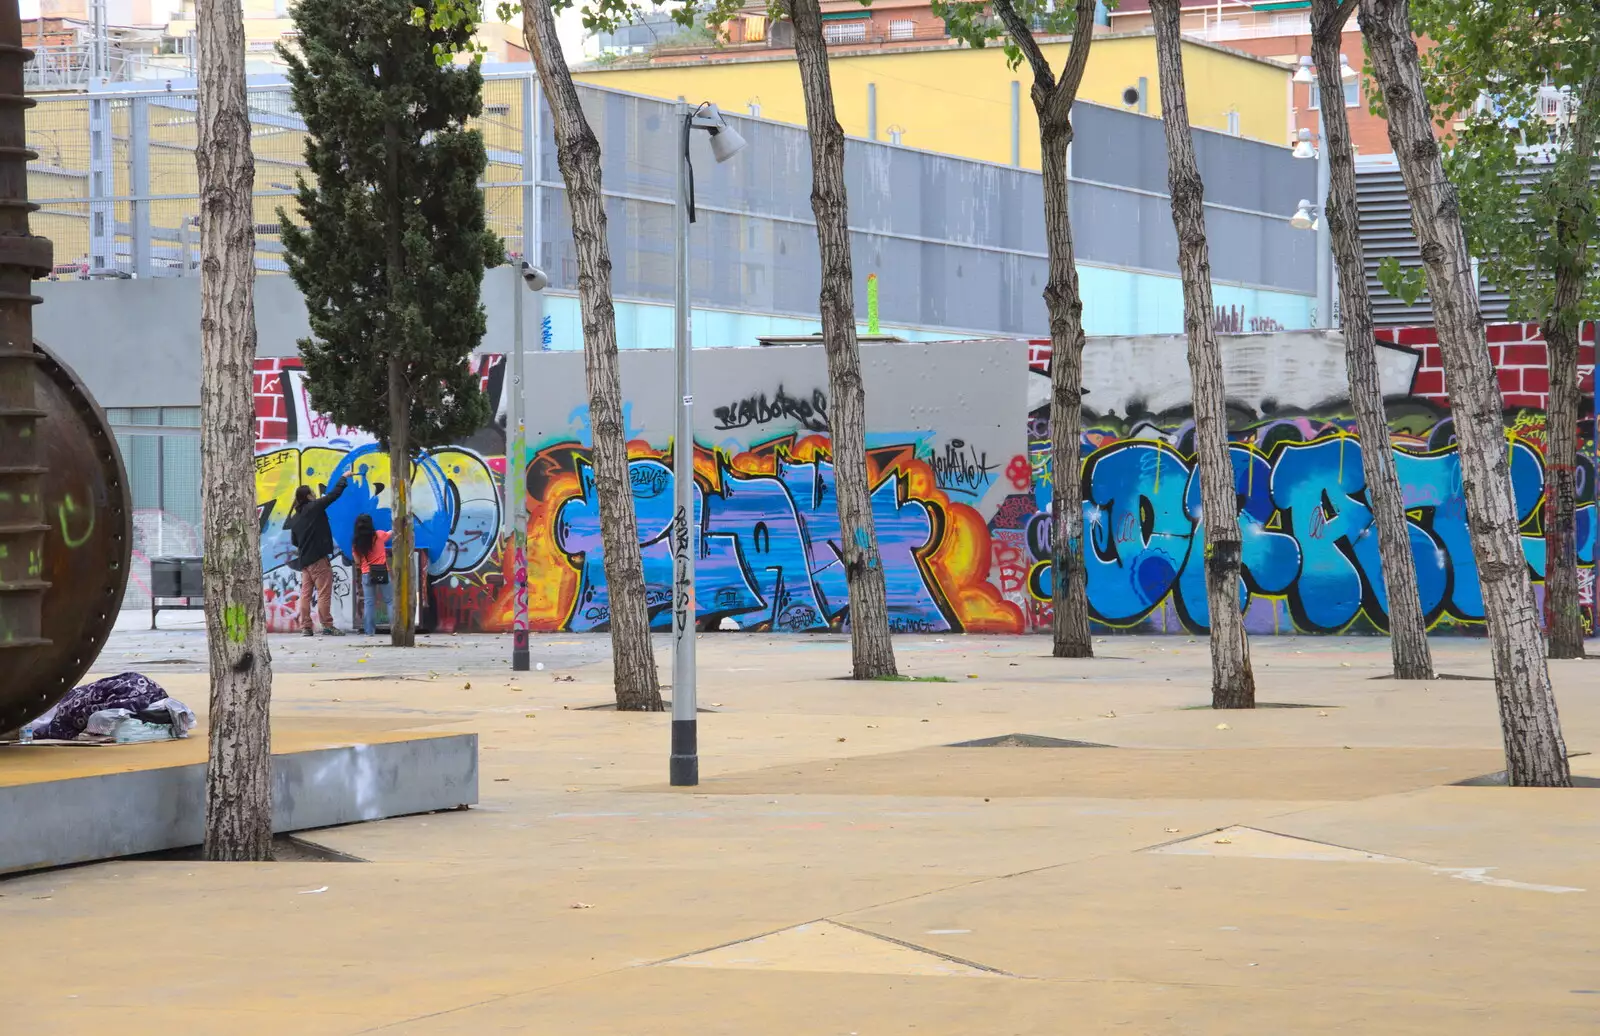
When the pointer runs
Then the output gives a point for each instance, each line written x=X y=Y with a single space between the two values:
x=394 y=240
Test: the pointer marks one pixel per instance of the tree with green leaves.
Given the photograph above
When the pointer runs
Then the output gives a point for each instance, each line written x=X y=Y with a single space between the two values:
x=1528 y=209
x=977 y=23
x=1408 y=630
x=394 y=241
x=1530 y=724
x=1233 y=683
x=238 y=822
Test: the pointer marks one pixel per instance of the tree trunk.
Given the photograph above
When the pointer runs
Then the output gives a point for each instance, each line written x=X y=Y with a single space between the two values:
x=1561 y=331
x=238 y=824
x=1408 y=630
x=578 y=154
x=1069 y=624
x=403 y=623
x=1233 y=685
x=403 y=617
x=871 y=651
x=1530 y=726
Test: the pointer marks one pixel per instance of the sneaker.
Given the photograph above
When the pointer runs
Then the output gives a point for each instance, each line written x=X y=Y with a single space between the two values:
x=331 y=631
x=307 y=633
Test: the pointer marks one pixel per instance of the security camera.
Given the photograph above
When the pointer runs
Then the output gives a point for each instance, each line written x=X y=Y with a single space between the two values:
x=535 y=278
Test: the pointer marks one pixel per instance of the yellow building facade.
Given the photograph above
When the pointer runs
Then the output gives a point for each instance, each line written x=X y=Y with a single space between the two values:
x=958 y=101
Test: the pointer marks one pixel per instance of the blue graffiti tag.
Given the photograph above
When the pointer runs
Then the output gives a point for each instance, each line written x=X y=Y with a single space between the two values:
x=768 y=549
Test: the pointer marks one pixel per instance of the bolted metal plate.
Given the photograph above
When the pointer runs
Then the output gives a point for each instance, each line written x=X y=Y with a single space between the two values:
x=88 y=544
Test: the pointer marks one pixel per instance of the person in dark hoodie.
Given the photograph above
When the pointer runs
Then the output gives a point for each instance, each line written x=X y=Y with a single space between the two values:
x=312 y=537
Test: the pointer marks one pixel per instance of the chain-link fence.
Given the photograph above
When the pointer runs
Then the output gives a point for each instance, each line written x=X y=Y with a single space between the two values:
x=117 y=191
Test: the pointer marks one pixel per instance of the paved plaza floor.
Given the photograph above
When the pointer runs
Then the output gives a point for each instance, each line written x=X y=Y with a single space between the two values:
x=842 y=870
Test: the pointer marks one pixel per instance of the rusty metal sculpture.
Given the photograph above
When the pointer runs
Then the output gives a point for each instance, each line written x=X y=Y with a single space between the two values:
x=65 y=516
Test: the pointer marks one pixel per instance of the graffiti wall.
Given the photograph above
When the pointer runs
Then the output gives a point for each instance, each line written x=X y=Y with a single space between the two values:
x=961 y=479
x=455 y=491
x=1310 y=544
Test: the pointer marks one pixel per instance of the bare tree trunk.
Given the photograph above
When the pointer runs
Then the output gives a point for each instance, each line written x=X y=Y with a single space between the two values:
x=1069 y=622
x=871 y=651
x=1530 y=725
x=1408 y=629
x=578 y=154
x=403 y=623
x=238 y=822
x=1052 y=102
x=403 y=617
x=1233 y=685
x=1561 y=328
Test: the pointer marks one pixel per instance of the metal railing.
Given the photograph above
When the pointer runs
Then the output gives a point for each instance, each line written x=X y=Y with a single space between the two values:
x=71 y=67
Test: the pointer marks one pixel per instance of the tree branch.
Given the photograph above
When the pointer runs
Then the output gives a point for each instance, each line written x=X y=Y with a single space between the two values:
x=1331 y=15
x=1078 y=56
x=1022 y=35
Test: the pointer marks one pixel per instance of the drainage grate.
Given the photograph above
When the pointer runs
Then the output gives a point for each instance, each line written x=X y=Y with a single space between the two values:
x=611 y=706
x=1261 y=705
x=1026 y=741
x=1440 y=676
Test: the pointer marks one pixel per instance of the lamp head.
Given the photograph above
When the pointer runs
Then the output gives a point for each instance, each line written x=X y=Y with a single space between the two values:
x=1302 y=219
x=725 y=140
x=1347 y=73
x=533 y=278
x=1303 y=74
x=1302 y=145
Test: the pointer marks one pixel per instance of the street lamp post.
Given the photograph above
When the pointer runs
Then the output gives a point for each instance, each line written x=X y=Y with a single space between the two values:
x=726 y=142
x=1304 y=148
x=534 y=280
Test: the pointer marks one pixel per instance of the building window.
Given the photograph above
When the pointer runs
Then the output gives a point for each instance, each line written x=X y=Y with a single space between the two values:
x=1352 y=94
x=903 y=29
x=755 y=29
x=845 y=32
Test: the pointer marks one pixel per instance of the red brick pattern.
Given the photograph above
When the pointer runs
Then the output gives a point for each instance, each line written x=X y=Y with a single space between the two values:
x=1517 y=352
x=272 y=415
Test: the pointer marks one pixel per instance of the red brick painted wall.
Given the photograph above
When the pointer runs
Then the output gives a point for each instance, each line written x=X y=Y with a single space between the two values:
x=1517 y=352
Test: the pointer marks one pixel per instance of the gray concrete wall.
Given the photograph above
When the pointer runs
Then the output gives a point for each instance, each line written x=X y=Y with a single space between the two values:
x=137 y=342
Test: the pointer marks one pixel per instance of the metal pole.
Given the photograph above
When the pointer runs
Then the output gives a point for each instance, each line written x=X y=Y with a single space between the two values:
x=872 y=111
x=1324 y=240
x=516 y=480
x=685 y=763
x=1016 y=123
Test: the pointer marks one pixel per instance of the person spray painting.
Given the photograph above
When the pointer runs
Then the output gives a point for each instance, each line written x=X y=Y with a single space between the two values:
x=369 y=549
x=312 y=537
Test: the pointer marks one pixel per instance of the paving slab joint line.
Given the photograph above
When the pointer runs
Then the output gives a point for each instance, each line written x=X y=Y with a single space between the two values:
x=1214 y=830
x=849 y=927
x=923 y=949
x=1478 y=875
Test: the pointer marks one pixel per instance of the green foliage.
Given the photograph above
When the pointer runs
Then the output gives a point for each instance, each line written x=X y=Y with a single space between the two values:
x=365 y=75
x=1485 y=73
x=1407 y=285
